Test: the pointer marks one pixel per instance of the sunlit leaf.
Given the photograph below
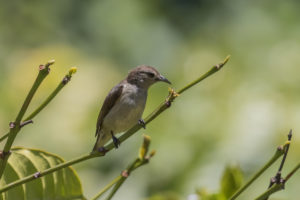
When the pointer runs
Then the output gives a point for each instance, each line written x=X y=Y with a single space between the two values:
x=63 y=184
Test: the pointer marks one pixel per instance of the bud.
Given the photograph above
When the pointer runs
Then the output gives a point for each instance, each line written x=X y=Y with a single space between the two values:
x=152 y=153
x=50 y=62
x=144 y=148
x=72 y=70
x=173 y=92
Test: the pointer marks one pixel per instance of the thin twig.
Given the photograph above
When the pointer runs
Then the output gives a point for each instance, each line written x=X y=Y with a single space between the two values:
x=60 y=86
x=163 y=106
x=279 y=152
x=286 y=151
x=140 y=161
x=292 y=172
x=43 y=72
x=277 y=187
x=136 y=163
x=270 y=191
x=277 y=179
x=107 y=187
x=26 y=122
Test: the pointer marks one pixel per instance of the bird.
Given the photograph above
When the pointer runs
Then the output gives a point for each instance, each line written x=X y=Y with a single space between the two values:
x=124 y=105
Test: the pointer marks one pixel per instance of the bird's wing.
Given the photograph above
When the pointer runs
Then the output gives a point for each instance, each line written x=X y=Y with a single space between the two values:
x=109 y=102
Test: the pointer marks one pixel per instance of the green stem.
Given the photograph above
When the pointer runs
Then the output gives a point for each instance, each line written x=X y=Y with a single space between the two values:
x=60 y=86
x=107 y=187
x=271 y=190
x=292 y=172
x=44 y=71
x=279 y=152
x=163 y=106
x=277 y=187
x=143 y=159
x=213 y=70
x=116 y=188
x=137 y=163
x=4 y=136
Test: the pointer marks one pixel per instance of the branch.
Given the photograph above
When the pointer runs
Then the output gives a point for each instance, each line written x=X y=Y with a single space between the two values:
x=163 y=106
x=277 y=187
x=107 y=187
x=270 y=191
x=286 y=151
x=277 y=178
x=137 y=163
x=279 y=152
x=167 y=103
x=207 y=74
x=16 y=126
x=142 y=160
x=60 y=86
x=277 y=182
x=292 y=172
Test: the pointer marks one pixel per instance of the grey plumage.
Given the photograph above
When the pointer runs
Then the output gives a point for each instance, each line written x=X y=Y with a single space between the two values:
x=124 y=105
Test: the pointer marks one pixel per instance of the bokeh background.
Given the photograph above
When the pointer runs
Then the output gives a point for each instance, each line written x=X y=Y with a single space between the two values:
x=237 y=117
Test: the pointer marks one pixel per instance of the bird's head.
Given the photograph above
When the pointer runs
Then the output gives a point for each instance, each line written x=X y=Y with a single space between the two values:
x=144 y=76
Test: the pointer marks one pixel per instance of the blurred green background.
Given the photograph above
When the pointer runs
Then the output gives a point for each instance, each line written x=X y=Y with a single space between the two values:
x=238 y=116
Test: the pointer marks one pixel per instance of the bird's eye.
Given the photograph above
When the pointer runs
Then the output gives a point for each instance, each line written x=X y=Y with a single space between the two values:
x=150 y=74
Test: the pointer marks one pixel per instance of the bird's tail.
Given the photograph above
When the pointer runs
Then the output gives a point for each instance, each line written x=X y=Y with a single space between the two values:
x=96 y=144
x=102 y=139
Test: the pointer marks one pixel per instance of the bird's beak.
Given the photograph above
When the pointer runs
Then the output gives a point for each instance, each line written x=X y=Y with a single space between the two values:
x=163 y=79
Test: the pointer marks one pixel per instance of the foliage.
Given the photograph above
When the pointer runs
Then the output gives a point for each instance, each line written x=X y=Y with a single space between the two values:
x=237 y=116
x=63 y=184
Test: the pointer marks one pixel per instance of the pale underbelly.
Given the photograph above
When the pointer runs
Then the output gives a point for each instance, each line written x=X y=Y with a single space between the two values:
x=123 y=118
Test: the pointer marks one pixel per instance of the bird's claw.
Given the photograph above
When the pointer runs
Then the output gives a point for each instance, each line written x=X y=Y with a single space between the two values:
x=116 y=141
x=142 y=123
x=102 y=150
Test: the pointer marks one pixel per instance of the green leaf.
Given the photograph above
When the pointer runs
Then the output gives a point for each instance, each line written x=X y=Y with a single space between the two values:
x=205 y=195
x=63 y=184
x=232 y=179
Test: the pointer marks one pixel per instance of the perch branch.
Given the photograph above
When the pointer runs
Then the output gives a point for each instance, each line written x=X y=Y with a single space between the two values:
x=162 y=107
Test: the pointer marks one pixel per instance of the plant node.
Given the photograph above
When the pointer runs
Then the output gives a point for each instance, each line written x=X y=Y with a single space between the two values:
x=12 y=125
x=37 y=175
x=4 y=154
x=26 y=122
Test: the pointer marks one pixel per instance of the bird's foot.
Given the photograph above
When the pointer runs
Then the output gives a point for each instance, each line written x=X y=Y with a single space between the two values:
x=102 y=150
x=116 y=141
x=142 y=123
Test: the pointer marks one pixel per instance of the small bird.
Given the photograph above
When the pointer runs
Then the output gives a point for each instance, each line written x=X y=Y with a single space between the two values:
x=124 y=105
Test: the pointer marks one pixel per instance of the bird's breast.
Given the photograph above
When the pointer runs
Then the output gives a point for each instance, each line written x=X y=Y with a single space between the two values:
x=127 y=110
